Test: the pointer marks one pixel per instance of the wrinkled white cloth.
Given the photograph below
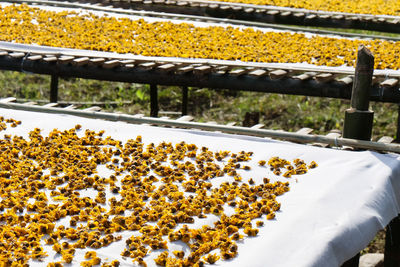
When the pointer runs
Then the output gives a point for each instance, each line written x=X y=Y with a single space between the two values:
x=329 y=214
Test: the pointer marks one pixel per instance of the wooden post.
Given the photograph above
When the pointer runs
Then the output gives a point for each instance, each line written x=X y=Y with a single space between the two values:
x=392 y=244
x=54 y=89
x=358 y=118
x=184 y=100
x=153 y=100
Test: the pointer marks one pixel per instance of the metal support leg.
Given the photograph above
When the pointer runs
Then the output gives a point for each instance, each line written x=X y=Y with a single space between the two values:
x=397 y=140
x=392 y=244
x=54 y=89
x=153 y=100
x=184 y=100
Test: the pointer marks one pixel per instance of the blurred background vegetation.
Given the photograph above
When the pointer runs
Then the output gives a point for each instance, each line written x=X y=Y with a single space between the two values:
x=276 y=111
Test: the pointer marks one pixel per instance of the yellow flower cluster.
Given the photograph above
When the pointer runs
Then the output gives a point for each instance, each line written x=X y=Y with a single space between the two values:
x=3 y=123
x=299 y=167
x=144 y=193
x=376 y=7
x=23 y=24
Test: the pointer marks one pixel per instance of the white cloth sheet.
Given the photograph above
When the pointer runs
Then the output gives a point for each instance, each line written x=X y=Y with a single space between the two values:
x=329 y=214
